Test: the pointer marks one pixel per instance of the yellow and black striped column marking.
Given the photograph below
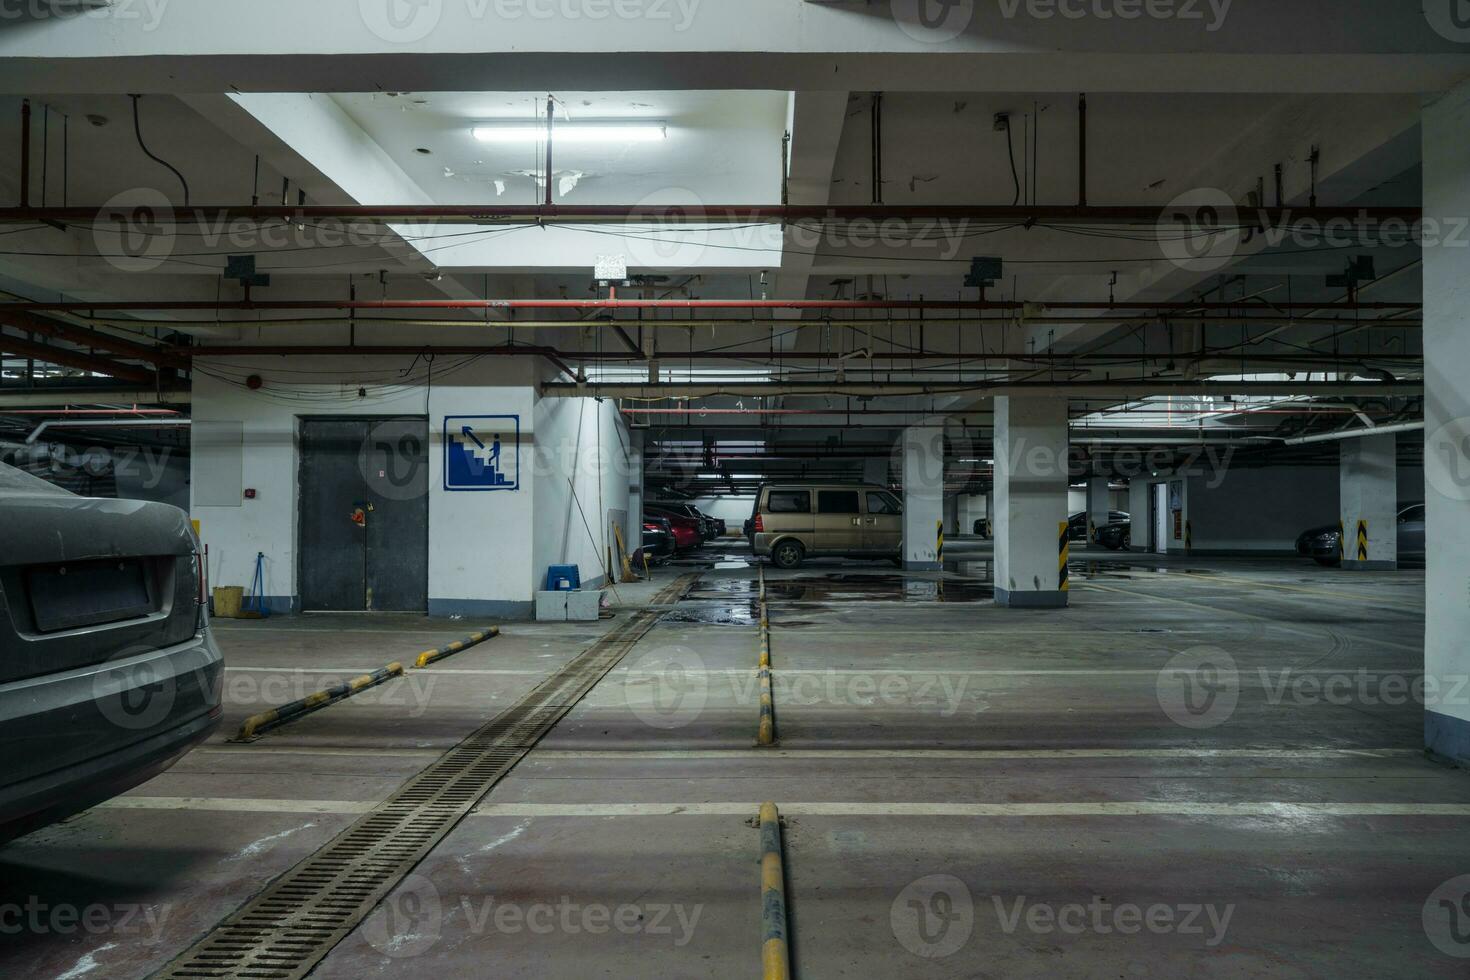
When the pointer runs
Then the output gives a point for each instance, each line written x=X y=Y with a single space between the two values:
x=1341 y=541
x=474 y=639
x=1064 y=556
x=1362 y=541
x=257 y=725
x=775 y=952
x=939 y=547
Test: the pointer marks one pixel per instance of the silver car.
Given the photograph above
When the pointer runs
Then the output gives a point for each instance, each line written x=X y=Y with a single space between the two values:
x=108 y=670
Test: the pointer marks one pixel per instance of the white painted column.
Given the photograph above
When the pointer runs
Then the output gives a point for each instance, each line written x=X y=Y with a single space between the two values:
x=1370 y=494
x=1139 y=491
x=1447 y=418
x=1030 y=500
x=1099 y=504
x=952 y=514
x=923 y=495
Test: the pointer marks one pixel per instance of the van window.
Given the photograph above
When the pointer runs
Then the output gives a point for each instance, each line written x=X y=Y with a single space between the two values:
x=837 y=502
x=883 y=503
x=789 y=502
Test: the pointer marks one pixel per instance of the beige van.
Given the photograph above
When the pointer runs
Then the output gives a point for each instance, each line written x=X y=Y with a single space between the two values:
x=796 y=521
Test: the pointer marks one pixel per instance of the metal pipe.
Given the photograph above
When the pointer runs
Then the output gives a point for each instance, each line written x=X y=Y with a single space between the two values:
x=1380 y=430
x=1108 y=390
x=83 y=307
x=767 y=323
x=1082 y=151
x=709 y=214
x=42 y=396
x=102 y=423
x=25 y=153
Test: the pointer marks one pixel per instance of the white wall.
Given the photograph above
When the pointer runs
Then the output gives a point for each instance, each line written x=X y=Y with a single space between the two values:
x=734 y=511
x=583 y=443
x=480 y=544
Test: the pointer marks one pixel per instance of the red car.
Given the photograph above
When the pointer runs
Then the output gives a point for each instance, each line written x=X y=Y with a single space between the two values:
x=686 y=530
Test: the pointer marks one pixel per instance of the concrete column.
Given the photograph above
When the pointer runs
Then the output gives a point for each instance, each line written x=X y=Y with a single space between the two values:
x=1139 y=509
x=635 y=487
x=1370 y=488
x=923 y=495
x=1030 y=500
x=1099 y=504
x=952 y=514
x=1447 y=424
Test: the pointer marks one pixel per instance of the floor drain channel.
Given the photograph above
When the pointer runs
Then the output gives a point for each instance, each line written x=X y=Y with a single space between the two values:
x=283 y=932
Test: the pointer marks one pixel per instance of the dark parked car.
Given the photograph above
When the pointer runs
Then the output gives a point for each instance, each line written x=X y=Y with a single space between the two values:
x=108 y=670
x=1077 y=526
x=1321 y=543
x=982 y=527
x=1117 y=536
x=658 y=537
x=749 y=530
x=688 y=531
x=721 y=528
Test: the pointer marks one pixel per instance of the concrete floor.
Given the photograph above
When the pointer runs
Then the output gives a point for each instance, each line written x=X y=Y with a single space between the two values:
x=1130 y=787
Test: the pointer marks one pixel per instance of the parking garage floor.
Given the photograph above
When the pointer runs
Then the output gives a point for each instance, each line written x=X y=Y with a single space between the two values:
x=1203 y=768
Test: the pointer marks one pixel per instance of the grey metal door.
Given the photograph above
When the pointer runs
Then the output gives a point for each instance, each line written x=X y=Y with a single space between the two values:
x=364 y=512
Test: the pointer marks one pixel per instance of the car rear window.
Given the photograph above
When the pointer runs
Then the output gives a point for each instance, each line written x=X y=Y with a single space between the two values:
x=837 y=502
x=789 y=502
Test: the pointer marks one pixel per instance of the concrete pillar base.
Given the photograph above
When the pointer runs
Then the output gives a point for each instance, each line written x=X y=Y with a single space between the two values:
x=1447 y=738
x=1030 y=600
x=1370 y=566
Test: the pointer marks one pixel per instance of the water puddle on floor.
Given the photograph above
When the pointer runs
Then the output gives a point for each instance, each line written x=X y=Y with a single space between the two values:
x=844 y=587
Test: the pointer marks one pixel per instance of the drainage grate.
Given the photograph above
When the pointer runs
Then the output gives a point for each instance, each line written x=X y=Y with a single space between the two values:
x=283 y=932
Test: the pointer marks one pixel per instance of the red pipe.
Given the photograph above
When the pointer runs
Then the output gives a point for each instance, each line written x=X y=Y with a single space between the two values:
x=661 y=304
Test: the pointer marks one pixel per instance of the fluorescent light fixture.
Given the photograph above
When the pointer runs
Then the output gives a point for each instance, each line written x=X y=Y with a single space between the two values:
x=642 y=131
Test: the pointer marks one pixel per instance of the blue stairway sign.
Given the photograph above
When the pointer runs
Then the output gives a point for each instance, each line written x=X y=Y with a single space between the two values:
x=482 y=453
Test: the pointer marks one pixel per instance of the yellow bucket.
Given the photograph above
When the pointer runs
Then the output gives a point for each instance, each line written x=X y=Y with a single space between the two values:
x=228 y=599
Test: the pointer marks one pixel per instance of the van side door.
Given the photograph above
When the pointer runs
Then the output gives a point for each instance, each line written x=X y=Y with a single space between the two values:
x=883 y=523
x=839 y=522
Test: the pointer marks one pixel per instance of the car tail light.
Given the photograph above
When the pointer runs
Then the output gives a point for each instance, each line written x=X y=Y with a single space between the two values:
x=202 y=598
x=650 y=527
x=759 y=527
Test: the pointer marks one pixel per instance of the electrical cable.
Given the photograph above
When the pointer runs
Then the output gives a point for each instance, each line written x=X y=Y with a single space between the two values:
x=138 y=131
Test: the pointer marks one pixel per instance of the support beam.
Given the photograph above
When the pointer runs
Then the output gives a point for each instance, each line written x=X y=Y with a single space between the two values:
x=77 y=359
x=1099 y=506
x=923 y=495
x=70 y=332
x=1369 y=494
x=1030 y=501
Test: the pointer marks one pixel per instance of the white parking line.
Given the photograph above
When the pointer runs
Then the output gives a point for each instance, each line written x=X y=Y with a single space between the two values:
x=1292 y=811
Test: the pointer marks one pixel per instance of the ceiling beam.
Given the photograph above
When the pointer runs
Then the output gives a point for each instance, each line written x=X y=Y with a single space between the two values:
x=77 y=359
